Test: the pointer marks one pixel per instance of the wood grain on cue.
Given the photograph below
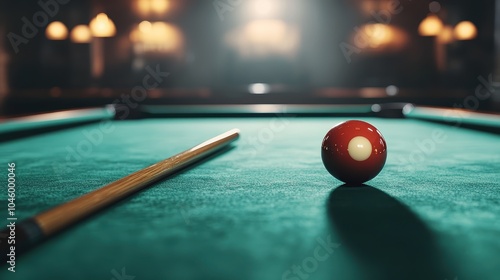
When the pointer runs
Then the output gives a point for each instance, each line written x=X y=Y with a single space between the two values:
x=59 y=217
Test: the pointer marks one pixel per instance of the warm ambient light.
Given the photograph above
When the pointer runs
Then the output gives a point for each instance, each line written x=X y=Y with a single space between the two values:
x=380 y=37
x=368 y=7
x=147 y=7
x=157 y=37
x=56 y=31
x=465 y=30
x=264 y=37
x=145 y=27
x=81 y=34
x=263 y=8
x=430 y=26
x=102 y=26
x=378 y=34
x=446 y=35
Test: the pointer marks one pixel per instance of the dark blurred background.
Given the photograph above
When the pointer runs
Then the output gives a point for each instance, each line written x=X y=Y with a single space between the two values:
x=57 y=54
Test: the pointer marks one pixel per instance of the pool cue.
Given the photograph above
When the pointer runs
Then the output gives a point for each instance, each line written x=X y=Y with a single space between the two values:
x=31 y=231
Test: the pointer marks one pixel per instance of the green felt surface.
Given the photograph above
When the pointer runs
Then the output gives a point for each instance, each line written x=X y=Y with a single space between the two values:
x=265 y=206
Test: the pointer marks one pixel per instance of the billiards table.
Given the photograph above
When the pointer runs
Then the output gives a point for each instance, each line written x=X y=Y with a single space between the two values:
x=265 y=208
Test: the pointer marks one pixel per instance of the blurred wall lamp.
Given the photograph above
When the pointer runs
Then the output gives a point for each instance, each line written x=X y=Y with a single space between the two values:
x=432 y=25
x=81 y=34
x=152 y=7
x=56 y=31
x=100 y=26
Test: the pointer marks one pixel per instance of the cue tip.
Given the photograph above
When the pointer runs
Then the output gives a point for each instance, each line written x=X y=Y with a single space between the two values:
x=233 y=133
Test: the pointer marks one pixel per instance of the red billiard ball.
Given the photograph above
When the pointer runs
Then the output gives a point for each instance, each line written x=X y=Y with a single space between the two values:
x=354 y=151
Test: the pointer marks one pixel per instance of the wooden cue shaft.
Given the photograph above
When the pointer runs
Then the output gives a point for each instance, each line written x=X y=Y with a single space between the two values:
x=63 y=215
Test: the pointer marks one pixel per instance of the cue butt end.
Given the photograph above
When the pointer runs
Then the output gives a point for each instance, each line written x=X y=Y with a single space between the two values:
x=17 y=238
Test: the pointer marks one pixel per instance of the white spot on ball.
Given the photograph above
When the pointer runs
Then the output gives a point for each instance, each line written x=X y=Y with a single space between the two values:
x=359 y=148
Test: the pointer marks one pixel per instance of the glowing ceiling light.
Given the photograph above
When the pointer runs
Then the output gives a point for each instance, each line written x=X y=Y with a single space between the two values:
x=143 y=6
x=157 y=37
x=147 y=7
x=379 y=37
x=145 y=26
x=81 y=34
x=264 y=8
x=465 y=30
x=430 y=26
x=265 y=29
x=264 y=37
x=159 y=6
x=378 y=34
x=56 y=31
x=259 y=88
x=102 y=26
